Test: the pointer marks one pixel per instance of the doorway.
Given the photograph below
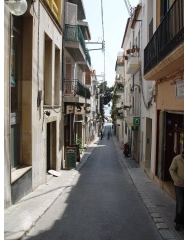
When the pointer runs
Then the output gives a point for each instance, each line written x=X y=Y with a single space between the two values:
x=170 y=141
x=148 y=144
x=51 y=146
x=16 y=91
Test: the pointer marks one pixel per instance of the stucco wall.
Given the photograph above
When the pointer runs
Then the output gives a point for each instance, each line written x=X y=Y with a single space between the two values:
x=39 y=120
x=7 y=168
x=168 y=102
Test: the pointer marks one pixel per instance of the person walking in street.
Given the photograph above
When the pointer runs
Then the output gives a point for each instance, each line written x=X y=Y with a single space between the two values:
x=177 y=173
x=108 y=135
x=101 y=134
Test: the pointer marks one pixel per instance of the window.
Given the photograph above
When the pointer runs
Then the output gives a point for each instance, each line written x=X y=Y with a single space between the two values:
x=57 y=77
x=48 y=71
x=16 y=90
x=151 y=29
x=164 y=7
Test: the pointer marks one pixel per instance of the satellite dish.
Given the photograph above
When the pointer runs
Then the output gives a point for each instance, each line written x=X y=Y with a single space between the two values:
x=17 y=7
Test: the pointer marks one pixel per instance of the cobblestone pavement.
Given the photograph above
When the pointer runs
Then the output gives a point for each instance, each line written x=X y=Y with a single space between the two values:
x=160 y=206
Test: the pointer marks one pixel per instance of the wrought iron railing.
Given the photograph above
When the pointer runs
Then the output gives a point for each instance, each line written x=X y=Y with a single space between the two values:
x=167 y=37
x=88 y=58
x=75 y=87
x=74 y=33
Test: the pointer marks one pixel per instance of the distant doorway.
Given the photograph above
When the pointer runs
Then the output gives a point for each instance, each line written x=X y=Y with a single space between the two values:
x=51 y=146
x=170 y=141
x=148 y=144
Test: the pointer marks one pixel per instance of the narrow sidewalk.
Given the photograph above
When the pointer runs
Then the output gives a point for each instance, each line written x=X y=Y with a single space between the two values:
x=22 y=216
x=160 y=206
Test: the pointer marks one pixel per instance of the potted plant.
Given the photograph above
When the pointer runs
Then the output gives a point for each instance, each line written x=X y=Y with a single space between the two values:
x=126 y=57
x=132 y=50
x=136 y=48
x=128 y=51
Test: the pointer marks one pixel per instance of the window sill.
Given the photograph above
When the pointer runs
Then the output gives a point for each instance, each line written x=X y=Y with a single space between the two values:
x=15 y=175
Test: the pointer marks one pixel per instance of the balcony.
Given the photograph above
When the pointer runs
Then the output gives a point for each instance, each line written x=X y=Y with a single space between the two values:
x=132 y=64
x=119 y=87
x=75 y=91
x=164 y=53
x=75 y=45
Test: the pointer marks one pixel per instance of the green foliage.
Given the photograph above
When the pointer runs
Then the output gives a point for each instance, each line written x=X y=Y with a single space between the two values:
x=79 y=142
x=106 y=96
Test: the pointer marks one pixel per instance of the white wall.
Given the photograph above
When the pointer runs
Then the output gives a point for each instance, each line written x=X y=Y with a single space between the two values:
x=148 y=11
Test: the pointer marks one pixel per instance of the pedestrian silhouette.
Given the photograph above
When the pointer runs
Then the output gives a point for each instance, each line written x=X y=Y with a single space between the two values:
x=177 y=173
x=101 y=134
x=108 y=135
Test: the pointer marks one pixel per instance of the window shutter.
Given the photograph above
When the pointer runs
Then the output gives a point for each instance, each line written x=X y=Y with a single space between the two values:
x=68 y=71
x=88 y=78
x=71 y=14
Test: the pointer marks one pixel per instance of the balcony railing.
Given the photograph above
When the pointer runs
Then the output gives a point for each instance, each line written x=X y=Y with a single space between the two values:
x=88 y=58
x=74 y=33
x=75 y=87
x=167 y=37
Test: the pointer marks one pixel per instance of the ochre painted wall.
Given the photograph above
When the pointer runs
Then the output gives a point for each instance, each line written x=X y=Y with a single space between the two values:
x=166 y=98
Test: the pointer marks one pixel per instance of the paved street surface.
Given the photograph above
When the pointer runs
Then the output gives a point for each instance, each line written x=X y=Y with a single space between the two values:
x=102 y=204
x=107 y=197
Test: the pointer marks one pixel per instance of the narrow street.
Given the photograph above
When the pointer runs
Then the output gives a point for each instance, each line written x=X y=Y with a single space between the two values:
x=102 y=204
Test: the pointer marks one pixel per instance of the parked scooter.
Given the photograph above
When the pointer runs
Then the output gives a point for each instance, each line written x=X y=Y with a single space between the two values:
x=126 y=150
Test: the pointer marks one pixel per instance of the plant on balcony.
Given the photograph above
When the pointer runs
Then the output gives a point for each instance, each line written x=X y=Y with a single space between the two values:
x=137 y=49
x=133 y=50
x=126 y=57
x=120 y=86
x=79 y=143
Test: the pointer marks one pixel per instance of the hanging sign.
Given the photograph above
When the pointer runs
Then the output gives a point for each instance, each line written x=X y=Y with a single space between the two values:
x=79 y=110
x=136 y=121
x=69 y=109
x=71 y=157
x=179 y=89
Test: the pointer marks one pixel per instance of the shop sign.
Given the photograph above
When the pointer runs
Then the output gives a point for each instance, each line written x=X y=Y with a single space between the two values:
x=179 y=89
x=79 y=110
x=71 y=157
x=69 y=109
x=136 y=121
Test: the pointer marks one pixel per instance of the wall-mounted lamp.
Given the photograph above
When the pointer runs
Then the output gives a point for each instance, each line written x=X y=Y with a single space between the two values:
x=132 y=88
x=127 y=107
x=17 y=7
x=47 y=113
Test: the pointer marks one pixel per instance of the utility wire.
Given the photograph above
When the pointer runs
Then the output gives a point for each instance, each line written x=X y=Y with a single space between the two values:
x=103 y=41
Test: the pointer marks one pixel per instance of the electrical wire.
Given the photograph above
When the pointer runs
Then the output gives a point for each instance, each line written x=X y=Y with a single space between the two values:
x=103 y=40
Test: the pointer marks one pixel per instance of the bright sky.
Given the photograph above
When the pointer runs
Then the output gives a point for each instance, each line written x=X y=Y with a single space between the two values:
x=115 y=16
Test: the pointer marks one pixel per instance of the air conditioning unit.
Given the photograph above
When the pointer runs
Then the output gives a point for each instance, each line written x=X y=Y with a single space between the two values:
x=71 y=13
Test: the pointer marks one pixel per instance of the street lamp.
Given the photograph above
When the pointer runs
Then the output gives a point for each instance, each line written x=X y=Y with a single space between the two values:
x=17 y=7
x=132 y=88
